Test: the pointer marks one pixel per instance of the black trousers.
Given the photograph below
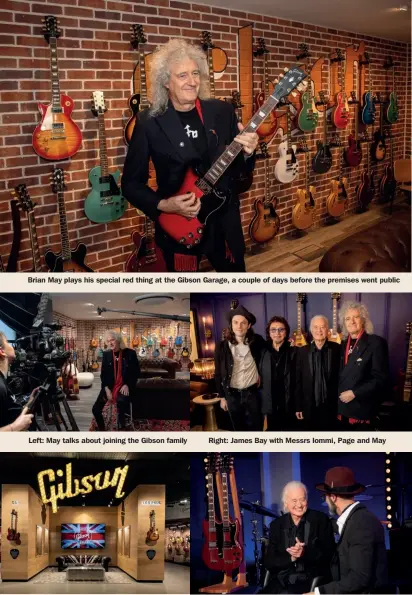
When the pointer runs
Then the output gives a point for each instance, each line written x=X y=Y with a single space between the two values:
x=123 y=407
x=245 y=409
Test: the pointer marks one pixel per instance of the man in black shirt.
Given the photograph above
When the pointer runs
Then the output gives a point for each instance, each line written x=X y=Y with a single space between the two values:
x=182 y=129
x=12 y=419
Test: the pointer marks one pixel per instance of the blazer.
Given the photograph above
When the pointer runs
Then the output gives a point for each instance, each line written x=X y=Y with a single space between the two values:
x=304 y=400
x=319 y=548
x=265 y=368
x=359 y=564
x=224 y=363
x=130 y=370
x=163 y=140
x=367 y=375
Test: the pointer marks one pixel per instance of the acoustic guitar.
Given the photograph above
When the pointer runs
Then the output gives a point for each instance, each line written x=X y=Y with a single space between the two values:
x=67 y=260
x=338 y=197
x=308 y=116
x=368 y=108
x=27 y=205
x=265 y=223
x=392 y=111
x=57 y=136
x=138 y=101
x=333 y=334
x=303 y=214
x=340 y=113
x=299 y=338
x=244 y=180
x=105 y=202
x=287 y=166
x=268 y=126
x=322 y=161
x=147 y=257
x=387 y=184
x=152 y=536
x=365 y=191
x=189 y=232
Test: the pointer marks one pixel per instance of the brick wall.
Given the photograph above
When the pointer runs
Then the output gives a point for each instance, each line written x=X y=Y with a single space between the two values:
x=95 y=54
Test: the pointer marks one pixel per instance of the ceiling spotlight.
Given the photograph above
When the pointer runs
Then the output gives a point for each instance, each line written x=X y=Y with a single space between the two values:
x=108 y=301
x=88 y=304
x=83 y=496
x=403 y=8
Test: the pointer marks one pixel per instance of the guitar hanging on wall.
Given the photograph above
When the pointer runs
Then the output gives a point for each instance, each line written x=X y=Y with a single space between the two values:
x=266 y=223
x=308 y=116
x=244 y=180
x=138 y=101
x=365 y=191
x=378 y=147
x=26 y=204
x=392 y=111
x=211 y=50
x=299 y=338
x=152 y=536
x=287 y=166
x=338 y=197
x=322 y=161
x=268 y=126
x=340 y=113
x=105 y=202
x=387 y=184
x=147 y=257
x=303 y=214
x=67 y=260
x=12 y=533
x=189 y=232
x=57 y=136
x=368 y=108
x=353 y=153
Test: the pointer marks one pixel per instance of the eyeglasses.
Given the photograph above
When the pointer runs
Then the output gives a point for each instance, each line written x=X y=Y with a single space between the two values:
x=277 y=330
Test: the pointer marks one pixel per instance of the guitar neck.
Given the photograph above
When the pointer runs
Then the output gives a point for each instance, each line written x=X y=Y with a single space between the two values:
x=334 y=315
x=104 y=166
x=225 y=503
x=56 y=105
x=407 y=388
x=267 y=182
x=34 y=242
x=211 y=72
x=266 y=75
x=307 y=169
x=144 y=102
x=229 y=155
x=64 y=230
x=299 y=323
x=211 y=503
x=288 y=130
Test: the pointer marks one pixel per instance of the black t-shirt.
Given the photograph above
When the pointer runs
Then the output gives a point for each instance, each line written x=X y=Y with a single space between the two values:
x=195 y=131
x=9 y=410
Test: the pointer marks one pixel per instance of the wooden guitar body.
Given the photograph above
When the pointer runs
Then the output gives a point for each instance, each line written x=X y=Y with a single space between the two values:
x=378 y=147
x=57 y=136
x=387 y=184
x=308 y=117
x=340 y=113
x=57 y=264
x=299 y=339
x=303 y=212
x=134 y=103
x=232 y=554
x=269 y=125
x=392 y=112
x=140 y=261
x=265 y=223
x=104 y=202
x=336 y=201
x=368 y=110
x=287 y=166
x=152 y=535
x=322 y=161
x=365 y=190
x=212 y=546
x=335 y=337
x=353 y=153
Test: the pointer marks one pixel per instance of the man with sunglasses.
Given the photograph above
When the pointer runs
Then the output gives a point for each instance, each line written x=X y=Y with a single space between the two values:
x=277 y=371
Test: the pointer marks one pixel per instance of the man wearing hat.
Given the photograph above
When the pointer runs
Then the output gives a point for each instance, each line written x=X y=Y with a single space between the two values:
x=360 y=562
x=236 y=371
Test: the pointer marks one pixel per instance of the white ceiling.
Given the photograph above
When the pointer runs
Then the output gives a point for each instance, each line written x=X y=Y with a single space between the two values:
x=379 y=18
x=76 y=305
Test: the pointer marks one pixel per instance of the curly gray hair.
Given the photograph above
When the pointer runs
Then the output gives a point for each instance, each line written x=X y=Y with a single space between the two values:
x=174 y=51
x=292 y=485
x=363 y=313
x=118 y=336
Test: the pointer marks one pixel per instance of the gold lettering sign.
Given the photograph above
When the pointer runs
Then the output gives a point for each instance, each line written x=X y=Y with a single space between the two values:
x=50 y=493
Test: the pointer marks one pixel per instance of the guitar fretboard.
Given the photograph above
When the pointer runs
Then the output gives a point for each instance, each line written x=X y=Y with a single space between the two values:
x=104 y=165
x=64 y=230
x=34 y=242
x=225 y=502
x=211 y=72
x=299 y=324
x=335 y=315
x=144 y=102
x=56 y=106
x=211 y=502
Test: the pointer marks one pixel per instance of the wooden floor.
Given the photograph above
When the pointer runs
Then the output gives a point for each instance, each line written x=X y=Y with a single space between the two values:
x=303 y=252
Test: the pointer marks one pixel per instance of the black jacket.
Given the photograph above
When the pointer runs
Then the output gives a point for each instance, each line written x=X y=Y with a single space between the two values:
x=319 y=548
x=130 y=370
x=224 y=362
x=360 y=562
x=367 y=375
x=265 y=368
x=9 y=410
x=304 y=399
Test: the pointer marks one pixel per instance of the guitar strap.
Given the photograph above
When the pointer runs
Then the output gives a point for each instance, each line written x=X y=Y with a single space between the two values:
x=15 y=247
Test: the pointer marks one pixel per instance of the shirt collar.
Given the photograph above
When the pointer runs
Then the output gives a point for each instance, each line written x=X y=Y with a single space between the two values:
x=343 y=517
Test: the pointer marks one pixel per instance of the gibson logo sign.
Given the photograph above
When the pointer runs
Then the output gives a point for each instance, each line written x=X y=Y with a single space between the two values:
x=50 y=492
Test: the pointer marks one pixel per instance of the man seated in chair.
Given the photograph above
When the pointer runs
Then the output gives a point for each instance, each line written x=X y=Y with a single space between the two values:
x=301 y=544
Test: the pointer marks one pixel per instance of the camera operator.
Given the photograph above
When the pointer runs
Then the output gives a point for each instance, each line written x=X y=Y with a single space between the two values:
x=12 y=419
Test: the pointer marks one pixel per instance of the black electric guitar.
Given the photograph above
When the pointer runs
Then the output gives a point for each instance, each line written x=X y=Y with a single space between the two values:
x=322 y=161
x=244 y=180
x=67 y=260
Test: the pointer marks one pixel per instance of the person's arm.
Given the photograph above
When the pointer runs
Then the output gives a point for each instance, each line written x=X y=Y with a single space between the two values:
x=21 y=423
x=360 y=563
x=379 y=373
x=276 y=557
x=136 y=172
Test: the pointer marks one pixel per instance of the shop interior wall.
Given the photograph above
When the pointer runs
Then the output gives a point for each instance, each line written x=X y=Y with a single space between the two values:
x=95 y=54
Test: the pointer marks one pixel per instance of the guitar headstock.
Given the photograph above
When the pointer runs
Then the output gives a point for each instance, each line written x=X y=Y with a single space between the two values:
x=388 y=63
x=304 y=51
x=206 y=41
x=212 y=462
x=51 y=27
x=137 y=36
x=264 y=151
x=98 y=105
x=336 y=296
x=409 y=328
x=300 y=297
x=261 y=48
x=337 y=55
x=365 y=137
x=57 y=179
x=366 y=58
x=289 y=80
x=323 y=98
x=22 y=194
x=353 y=98
x=236 y=100
x=303 y=145
x=336 y=140
x=225 y=462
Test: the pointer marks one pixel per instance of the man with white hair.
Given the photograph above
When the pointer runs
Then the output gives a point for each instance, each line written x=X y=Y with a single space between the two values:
x=364 y=372
x=185 y=128
x=317 y=376
x=301 y=544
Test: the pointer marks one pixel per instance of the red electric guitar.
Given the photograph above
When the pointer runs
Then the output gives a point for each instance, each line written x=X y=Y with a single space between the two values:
x=189 y=232
x=365 y=191
x=232 y=550
x=12 y=534
x=268 y=126
x=57 y=136
x=212 y=528
x=147 y=257
x=340 y=113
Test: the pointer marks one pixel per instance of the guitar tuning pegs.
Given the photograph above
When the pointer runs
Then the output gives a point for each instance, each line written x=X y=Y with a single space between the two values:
x=276 y=80
x=285 y=69
x=281 y=76
x=294 y=94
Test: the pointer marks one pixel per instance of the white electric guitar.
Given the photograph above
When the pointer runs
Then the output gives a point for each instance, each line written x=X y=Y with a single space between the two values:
x=287 y=166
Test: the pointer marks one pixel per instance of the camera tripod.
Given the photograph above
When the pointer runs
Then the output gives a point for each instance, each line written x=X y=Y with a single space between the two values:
x=47 y=401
